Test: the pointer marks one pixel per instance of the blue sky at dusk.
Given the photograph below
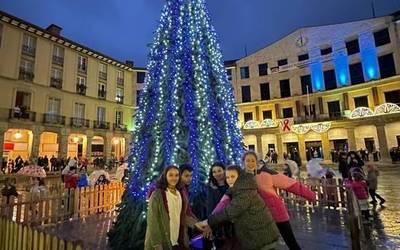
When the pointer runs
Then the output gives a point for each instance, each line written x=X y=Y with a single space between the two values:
x=123 y=28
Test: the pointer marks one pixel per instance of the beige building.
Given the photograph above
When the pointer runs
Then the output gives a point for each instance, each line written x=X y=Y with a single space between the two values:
x=324 y=88
x=61 y=98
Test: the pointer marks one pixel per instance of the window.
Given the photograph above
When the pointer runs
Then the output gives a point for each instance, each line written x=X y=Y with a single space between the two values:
x=306 y=86
x=356 y=73
x=263 y=69
x=264 y=90
x=248 y=116
x=287 y=112
x=334 y=109
x=267 y=114
x=244 y=72
x=79 y=110
x=246 y=94
x=330 y=79
x=101 y=114
x=29 y=45
x=119 y=115
x=382 y=37
x=103 y=71
x=53 y=106
x=282 y=62
x=326 y=51
x=56 y=78
x=58 y=55
x=285 y=88
x=120 y=95
x=303 y=57
x=102 y=92
x=81 y=85
x=82 y=64
x=386 y=66
x=393 y=96
x=120 y=77
x=140 y=77
x=309 y=110
x=352 y=47
x=26 y=70
x=252 y=147
x=361 y=101
x=229 y=73
x=1 y=33
x=23 y=99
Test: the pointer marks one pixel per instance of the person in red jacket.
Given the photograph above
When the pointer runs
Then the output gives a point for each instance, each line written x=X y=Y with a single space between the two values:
x=71 y=179
x=360 y=189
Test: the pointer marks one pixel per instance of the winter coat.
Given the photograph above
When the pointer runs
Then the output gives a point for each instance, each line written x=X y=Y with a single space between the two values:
x=158 y=230
x=214 y=196
x=372 y=179
x=9 y=191
x=83 y=181
x=268 y=181
x=359 y=188
x=254 y=227
x=71 y=180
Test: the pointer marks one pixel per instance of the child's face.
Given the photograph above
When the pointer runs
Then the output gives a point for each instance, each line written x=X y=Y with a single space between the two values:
x=186 y=177
x=250 y=163
x=218 y=173
x=231 y=177
x=173 y=177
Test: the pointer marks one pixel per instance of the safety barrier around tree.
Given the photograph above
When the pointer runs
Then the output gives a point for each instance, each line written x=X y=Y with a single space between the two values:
x=62 y=204
x=22 y=236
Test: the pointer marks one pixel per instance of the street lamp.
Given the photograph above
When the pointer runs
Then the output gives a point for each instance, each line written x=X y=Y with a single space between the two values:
x=18 y=135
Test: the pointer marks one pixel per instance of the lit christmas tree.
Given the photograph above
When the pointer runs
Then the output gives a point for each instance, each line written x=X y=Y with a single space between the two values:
x=187 y=114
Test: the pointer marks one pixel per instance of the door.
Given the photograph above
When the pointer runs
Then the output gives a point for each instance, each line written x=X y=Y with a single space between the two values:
x=370 y=144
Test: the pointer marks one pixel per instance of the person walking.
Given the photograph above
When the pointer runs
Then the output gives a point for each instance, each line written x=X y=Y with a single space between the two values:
x=372 y=180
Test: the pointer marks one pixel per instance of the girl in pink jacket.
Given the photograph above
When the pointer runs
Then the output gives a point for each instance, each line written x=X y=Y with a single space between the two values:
x=268 y=181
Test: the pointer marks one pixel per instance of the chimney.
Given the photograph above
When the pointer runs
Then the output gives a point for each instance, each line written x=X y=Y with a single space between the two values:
x=129 y=63
x=54 y=29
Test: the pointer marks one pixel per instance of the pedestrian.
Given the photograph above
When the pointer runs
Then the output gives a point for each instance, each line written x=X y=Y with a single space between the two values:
x=71 y=178
x=83 y=179
x=167 y=214
x=372 y=180
x=343 y=166
x=360 y=187
x=37 y=193
x=253 y=224
x=53 y=163
x=9 y=190
x=217 y=187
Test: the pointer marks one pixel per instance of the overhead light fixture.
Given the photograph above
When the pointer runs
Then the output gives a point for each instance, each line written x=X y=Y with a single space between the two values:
x=18 y=135
x=76 y=139
x=116 y=141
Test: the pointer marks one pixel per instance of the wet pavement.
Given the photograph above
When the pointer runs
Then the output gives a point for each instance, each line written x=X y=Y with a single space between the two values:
x=314 y=228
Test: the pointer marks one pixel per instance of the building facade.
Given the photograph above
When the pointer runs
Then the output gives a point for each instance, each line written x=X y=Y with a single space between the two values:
x=324 y=88
x=61 y=98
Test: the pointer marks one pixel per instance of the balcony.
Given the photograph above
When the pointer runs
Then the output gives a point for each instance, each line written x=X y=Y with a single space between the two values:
x=58 y=60
x=80 y=122
x=26 y=75
x=101 y=94
x=82 y=68
x=28 y=50
x=320 y=118
x=81 y=88
x=119 y=127
x=54 y=119
x=120 y=81
x=56 y=83
x=21 y=113
x=103 y=76
x=119 y=99
x=101 y=125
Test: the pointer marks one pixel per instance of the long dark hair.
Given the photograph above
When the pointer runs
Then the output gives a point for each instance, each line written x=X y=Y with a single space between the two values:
x=162 y=182
x=211 y=178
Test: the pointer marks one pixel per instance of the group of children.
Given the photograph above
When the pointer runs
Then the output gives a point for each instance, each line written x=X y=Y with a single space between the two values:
x=242 y=202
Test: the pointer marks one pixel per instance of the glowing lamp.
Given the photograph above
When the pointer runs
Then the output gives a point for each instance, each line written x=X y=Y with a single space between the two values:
x=18 y=135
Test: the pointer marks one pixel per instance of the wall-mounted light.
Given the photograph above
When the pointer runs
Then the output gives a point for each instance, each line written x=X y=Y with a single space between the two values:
x=116 y=141
x=75 y=139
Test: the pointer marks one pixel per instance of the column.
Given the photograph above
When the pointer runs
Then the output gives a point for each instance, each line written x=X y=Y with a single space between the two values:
x=279 y=147
x=383 y=145
x=2 y=131
x=351 y=139
x=128 y=139
x=326 y=147
x=108 y=145
x=259 y=145
x=375 y=95
x=277 y=111
x=302 y=147
x=62 y=140
x=89 y=139
x=346 y=105
x=36 y=132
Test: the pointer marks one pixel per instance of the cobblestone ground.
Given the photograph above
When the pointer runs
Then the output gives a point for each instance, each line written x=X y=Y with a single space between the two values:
x=314 y=228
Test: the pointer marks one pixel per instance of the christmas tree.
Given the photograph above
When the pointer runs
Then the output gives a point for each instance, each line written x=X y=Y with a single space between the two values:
x=186 y=114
